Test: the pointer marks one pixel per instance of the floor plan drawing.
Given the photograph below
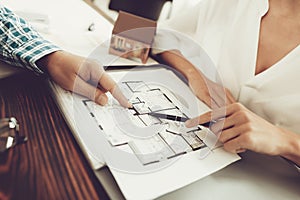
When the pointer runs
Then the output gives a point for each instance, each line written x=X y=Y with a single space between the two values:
x=147 y=144
x=169 y=139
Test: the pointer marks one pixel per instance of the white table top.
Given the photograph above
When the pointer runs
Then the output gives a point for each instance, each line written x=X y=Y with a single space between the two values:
x=254 y=177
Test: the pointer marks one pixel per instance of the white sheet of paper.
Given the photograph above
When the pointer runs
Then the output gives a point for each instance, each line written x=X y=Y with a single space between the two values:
x=149 y=180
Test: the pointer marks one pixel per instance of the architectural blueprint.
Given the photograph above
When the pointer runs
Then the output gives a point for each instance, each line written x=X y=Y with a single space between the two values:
x=168 y=138
x=139 y=148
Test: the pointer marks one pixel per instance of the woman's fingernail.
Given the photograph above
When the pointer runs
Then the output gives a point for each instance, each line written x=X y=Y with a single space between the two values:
x=241 y=150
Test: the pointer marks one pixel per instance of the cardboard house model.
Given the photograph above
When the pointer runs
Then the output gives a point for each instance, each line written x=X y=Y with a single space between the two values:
x=132 y=36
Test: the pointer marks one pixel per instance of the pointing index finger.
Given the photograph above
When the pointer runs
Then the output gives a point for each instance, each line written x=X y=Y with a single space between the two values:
x=110 y=85
x=117 y=94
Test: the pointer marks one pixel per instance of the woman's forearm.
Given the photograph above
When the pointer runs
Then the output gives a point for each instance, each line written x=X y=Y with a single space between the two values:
x=292 y=148
x=176 y=60
x=211 y=93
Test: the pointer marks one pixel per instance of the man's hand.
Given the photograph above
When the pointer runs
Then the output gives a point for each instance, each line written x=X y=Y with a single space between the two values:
x=82 y=76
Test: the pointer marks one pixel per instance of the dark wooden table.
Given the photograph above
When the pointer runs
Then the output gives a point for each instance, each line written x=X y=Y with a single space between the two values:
x=50 y=165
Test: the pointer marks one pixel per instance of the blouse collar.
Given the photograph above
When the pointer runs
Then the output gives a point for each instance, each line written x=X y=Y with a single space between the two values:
x=263 y=6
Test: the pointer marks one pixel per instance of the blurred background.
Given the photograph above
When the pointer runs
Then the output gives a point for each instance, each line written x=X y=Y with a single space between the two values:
x=157 y=10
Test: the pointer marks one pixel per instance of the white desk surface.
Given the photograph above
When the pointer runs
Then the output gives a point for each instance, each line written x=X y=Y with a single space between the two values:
x=254 y=177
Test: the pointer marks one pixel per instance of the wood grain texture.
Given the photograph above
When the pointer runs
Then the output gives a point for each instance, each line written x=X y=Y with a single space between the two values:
x=50 y=165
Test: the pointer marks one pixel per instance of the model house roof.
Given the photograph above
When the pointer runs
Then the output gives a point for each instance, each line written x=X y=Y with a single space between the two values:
x=135 y=27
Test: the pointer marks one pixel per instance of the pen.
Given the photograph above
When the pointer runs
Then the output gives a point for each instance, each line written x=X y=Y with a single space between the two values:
x=169 y=117
x=177 y=118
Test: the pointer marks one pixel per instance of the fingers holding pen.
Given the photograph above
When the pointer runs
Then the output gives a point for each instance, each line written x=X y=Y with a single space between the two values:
x=215 y=115
x=211 y=116
x=228 y=123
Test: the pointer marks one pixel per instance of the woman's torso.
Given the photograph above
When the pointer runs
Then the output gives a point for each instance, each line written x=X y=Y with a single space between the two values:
x=231 y=37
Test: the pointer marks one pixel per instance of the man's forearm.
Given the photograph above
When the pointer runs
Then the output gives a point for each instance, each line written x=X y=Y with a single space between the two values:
x=20 y=44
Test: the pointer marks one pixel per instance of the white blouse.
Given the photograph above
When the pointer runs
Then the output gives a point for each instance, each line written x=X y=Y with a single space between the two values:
x=228 y=31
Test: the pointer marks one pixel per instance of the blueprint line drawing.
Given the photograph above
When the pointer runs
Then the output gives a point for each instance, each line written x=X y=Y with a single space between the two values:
x=168 y=139
x=140 y=149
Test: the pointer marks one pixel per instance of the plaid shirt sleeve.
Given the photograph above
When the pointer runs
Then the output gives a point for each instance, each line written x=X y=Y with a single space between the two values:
x=20 y=44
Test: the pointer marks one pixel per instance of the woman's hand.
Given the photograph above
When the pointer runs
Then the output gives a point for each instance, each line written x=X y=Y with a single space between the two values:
x=211 y=93
x=82 y=76
x=240 y=129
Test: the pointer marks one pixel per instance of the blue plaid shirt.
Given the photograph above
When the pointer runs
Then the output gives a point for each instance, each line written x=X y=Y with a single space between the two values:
x=20 y=44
